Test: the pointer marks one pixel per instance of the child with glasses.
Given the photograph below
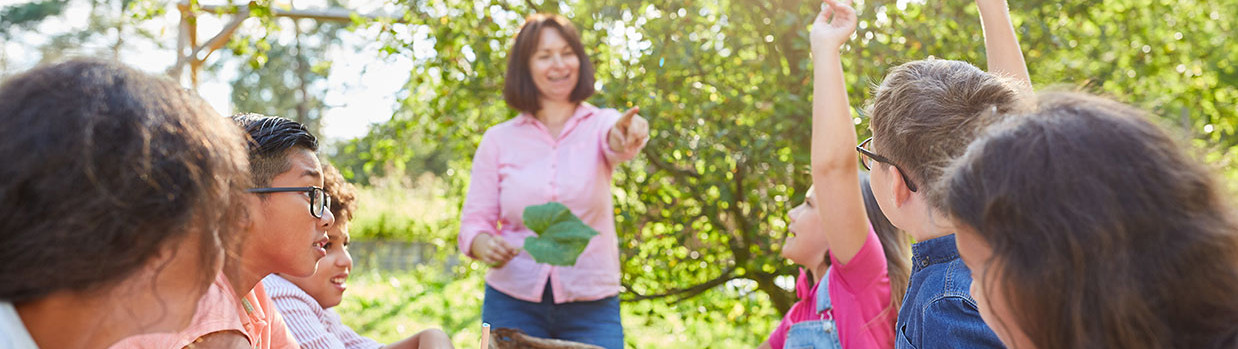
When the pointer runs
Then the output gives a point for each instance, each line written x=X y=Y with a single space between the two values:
x=118 y=195
x=305 y=302
x=285 y=232
x=1086 y=196
x=924 y=114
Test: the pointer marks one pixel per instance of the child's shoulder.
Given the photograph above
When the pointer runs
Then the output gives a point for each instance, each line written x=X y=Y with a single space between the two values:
x=940 y=289
x=947 y=280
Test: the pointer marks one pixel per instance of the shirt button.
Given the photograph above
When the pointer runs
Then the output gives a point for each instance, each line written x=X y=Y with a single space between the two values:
x=923 y=263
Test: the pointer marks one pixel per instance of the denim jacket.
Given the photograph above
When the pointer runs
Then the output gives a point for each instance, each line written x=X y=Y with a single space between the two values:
x=938 y=311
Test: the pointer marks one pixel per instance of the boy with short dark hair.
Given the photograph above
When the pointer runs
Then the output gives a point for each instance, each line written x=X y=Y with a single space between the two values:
x=284 y=233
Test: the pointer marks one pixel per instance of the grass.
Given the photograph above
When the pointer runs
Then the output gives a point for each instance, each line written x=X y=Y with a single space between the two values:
x=392 y=306
x=389 y=305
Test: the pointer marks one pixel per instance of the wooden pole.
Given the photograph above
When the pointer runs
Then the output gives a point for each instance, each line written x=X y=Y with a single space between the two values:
x=332 y=15
x=193 y=56
x=197 y=55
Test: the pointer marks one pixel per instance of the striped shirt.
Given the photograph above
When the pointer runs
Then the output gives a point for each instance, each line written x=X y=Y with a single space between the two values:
x=313 y=326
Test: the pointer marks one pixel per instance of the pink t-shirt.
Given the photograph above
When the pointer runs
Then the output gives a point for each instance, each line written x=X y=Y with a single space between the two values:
x=860 y=294
x=221 y=310
x=519 y=164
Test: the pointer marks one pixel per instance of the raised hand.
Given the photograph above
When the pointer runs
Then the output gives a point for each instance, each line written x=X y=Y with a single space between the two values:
x=833 y=26
x=629 y=133
x=1001 y=44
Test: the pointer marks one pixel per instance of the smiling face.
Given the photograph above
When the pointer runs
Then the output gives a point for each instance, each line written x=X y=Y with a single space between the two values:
x=554 y=66
x=987 y=289
x=285 y=237
x=805 y=244
x=328 y=283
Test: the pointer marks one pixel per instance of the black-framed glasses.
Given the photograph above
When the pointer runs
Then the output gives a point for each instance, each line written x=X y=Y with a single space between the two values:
x=319 y=200
x=868 y=156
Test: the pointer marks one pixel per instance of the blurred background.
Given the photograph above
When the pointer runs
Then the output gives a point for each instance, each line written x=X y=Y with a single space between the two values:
x=401 y=91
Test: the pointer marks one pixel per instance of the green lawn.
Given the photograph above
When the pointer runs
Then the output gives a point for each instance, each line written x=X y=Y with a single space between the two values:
x=392 y=306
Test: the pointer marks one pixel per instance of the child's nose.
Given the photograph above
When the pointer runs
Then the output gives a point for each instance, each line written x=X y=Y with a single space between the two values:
x=345 y=262
x=327 y=219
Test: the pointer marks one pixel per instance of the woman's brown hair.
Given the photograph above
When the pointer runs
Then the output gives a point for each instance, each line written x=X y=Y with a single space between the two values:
x=103 y=167
x=518 y=89
x=1104 y=232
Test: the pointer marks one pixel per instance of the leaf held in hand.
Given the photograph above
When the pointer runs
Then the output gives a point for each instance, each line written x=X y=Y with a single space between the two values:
x=561 y=235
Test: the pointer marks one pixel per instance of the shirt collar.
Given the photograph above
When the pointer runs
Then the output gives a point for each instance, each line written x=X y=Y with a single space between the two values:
x=933 y=251
x=583 y=110
x=803 y=285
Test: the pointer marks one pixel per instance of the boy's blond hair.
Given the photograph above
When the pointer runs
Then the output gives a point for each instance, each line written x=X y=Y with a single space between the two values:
x=926 y=112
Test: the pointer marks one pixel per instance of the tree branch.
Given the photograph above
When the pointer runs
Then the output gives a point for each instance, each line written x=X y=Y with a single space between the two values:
x=211 y=45
x=781 y=298
x=664 y=166
x=685 y=293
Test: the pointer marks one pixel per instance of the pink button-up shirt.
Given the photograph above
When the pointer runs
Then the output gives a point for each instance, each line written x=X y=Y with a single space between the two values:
x=519 y=164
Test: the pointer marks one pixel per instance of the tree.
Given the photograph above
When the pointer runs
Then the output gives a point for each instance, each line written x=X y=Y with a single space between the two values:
x=725 y=85
x=110 y=24
x=284 y=77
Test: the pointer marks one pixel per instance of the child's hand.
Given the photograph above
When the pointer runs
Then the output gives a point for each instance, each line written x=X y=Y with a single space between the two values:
x=830 y=33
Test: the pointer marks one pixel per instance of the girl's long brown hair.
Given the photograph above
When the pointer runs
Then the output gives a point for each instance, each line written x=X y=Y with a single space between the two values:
x=895 y=244
x=1104 y=232
x=897 y=247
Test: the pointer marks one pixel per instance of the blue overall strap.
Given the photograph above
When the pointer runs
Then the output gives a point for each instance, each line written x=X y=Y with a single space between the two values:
x=823 y=293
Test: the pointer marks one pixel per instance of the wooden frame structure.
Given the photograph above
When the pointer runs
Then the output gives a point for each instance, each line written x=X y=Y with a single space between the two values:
x=189 y=54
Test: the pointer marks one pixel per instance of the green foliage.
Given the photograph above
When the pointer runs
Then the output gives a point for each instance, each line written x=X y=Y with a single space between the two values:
x=28 y=15
x=396 y=149
x=725 y=86
x=283 y=77
x=407 y=211
x=389 y=307
x=111 y=26
x=561 y=235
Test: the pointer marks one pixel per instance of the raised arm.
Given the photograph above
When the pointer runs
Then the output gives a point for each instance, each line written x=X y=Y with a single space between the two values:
x=1001 y=46
x=834 y=160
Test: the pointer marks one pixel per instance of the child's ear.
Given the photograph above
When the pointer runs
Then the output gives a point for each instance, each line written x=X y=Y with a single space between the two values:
x=900 y=191
x=253 y=211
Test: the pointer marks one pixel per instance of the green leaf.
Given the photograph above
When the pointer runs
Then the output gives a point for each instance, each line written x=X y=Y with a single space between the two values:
x=561 y=235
